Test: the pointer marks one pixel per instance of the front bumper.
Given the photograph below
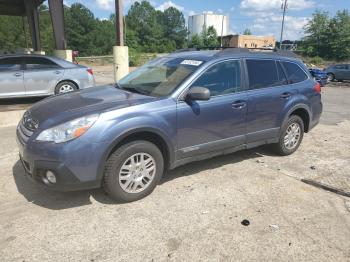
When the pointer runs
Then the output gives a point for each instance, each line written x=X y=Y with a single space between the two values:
x=76 y=164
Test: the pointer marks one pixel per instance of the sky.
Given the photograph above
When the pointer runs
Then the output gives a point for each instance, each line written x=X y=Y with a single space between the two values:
x=262 y=17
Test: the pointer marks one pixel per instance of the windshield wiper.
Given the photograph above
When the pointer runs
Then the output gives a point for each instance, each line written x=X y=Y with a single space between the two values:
x=133 y=90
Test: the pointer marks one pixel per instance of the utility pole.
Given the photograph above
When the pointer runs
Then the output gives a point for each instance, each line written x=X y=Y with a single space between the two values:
x=120 y=51
x=284 y=6
x=119 y=23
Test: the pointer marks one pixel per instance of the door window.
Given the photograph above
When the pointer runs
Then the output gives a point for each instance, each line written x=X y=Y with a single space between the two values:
x=263 y=73
x=39 y=63
x=10 y=64
x=222 y=78
x=294 y=73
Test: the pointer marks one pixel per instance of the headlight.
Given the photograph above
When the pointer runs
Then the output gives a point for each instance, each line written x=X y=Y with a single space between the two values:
x=68 y=131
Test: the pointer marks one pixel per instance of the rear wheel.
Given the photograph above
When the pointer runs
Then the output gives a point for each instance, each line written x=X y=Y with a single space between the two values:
x=65 y=87
x=291 y=136
x=331 y=77
x=133 y=171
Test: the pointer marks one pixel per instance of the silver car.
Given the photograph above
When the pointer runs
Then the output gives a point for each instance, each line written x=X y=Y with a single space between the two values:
x=37 y=75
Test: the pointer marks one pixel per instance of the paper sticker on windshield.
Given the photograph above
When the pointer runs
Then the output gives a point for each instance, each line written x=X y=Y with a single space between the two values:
x=191 y=62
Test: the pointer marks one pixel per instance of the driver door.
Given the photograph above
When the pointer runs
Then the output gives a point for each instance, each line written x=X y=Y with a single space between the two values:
x=220 y=122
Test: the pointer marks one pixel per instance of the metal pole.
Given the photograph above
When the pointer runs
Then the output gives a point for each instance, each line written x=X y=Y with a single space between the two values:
x=119 y=22
x=222 y=29
x=284 y=13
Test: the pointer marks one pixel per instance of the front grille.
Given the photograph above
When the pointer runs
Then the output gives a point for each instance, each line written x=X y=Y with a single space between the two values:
x=26 y=128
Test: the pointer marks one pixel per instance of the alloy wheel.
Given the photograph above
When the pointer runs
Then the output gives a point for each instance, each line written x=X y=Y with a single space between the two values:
x=292 y=136
x=137 y=173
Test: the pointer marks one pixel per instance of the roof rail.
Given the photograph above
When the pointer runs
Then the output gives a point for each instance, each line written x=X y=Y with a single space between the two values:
x=240 y=50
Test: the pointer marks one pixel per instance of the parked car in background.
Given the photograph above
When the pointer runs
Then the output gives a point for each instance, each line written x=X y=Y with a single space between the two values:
x=37 y=75
x=338 y=72
x=319 y=75
x=186 y=106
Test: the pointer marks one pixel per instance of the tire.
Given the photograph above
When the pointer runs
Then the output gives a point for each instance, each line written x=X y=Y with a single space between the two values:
x=331 y=77
x=65 y=87
x=122 y=182
x=283 y=147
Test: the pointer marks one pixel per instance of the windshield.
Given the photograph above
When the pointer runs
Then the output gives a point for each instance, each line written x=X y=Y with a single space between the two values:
x=159 y=77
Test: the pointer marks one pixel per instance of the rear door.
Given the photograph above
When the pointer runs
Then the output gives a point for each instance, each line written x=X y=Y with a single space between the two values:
x=268 y=93
x=11 y=77
x=347 y=77
x=41 y=75
x=341 y=71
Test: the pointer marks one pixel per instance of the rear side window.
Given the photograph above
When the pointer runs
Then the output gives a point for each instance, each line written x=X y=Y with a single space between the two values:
x=222 y=78
x=294 y=73
x=263 y=73
x=281 y=75
x=10 y=64
x=39 y=63
x=341 y=67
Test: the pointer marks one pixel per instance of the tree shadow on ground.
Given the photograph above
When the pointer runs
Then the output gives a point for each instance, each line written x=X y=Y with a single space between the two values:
x=44 y=197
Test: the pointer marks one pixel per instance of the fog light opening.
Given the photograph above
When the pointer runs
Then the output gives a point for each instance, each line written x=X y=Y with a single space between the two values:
x=50 y=176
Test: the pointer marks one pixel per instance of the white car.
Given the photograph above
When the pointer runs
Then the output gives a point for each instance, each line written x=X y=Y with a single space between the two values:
x=37 y=75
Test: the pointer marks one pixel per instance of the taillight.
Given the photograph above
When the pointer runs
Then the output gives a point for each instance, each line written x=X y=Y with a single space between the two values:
x=317 y=87
x=89 y=70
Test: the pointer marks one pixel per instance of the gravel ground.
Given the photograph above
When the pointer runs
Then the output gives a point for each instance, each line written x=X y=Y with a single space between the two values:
x=195 y=214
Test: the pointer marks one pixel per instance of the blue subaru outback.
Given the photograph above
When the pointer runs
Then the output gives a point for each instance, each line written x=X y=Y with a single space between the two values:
x=184 y=107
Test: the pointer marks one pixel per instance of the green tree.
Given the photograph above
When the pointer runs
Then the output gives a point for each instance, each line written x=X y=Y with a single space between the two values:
x=340 y=35
x=103 y=37
x=247 y=32
x=80 y=24
x=210 y=37
x=175 y=28
x=328 y=37
x=46 y=31
x=145 y=21
x=12 y=34
x=196 y=41
x=316 y=42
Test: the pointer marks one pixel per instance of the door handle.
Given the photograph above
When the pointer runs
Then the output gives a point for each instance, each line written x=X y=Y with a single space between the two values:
x=17 y=74
x=285 y=95
x=239 y=104
x=57 y=72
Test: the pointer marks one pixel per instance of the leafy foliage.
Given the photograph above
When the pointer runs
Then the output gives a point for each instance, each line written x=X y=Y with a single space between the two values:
x=147 y=30
x=247 y=31
x=328 y=37
x=208 y=38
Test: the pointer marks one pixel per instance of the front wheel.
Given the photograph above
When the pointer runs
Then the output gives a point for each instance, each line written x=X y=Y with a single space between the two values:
x=133 y=171
x=291 y=136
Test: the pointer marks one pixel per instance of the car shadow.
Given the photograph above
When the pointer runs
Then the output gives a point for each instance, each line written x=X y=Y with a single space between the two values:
x=10 y=104
x=47 y=198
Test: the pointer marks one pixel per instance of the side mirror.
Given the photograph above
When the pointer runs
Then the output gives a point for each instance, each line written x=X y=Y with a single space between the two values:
x=198 y=93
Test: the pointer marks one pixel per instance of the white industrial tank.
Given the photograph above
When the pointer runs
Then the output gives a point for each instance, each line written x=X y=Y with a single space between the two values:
x=207 y=19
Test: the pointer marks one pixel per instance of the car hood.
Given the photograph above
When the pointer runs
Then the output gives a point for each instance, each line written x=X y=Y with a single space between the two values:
x=58 y=109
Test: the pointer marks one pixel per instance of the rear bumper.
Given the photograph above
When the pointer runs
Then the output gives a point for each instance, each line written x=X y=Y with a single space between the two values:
x=322 y=81
x=316 y=117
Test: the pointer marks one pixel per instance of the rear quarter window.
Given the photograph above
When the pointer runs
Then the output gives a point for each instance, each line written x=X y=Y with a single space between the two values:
x=294 y=73
x=264 y=73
